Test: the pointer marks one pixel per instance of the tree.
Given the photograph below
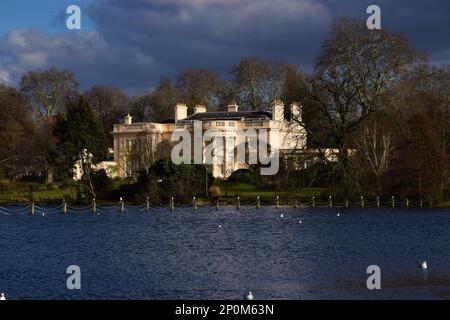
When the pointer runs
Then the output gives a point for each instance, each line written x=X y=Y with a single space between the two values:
x=198 y=87
x=257 y=82
x=158 y=105
x=80 y=137
x=17 y=133
x=353 y=72
x=110 y=104
x=417 y=160
x=375 y=146
x=143 y=152
x=48 y=92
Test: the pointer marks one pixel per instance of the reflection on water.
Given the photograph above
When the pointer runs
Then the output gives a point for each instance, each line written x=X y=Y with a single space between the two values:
x=186 y=255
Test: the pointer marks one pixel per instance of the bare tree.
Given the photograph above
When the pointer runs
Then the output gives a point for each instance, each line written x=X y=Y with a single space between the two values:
x=257 y=81
x=355 y=69
x=375 y=147
x=48 y=92
x=143 y=152
x=157 y=105
x=198 y=87
x=18 y=134
x=109 y=104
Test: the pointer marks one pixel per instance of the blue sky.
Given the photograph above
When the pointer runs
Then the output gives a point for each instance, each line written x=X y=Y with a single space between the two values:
x=45 y=15
x=132 y=44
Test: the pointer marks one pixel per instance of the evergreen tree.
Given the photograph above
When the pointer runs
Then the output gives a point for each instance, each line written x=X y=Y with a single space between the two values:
x=80 y=137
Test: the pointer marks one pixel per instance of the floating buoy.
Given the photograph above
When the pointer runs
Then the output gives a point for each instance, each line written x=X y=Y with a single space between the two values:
x=249 y=296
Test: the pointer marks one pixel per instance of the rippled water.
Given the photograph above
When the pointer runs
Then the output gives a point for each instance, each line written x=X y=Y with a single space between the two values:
x=186 y=255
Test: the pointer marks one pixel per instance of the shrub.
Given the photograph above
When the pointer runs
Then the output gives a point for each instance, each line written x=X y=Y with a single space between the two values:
x=215 y=192
x=246 y=176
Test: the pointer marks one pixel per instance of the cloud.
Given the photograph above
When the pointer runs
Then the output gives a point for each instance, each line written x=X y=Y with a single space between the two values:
x=5 y=78
x=88 y=55
x=135 y=43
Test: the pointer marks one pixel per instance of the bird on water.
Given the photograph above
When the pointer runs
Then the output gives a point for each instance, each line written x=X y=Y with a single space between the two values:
x=2 y=296
x=423 y=265
x=249 y=296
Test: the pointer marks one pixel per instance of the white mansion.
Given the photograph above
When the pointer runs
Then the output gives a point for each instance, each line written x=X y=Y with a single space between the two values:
x=148 y=136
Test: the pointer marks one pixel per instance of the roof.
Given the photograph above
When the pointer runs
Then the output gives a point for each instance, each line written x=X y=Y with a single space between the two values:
x=225 y=115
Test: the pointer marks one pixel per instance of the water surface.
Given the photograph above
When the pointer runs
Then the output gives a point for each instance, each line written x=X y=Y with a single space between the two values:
x=186 y=255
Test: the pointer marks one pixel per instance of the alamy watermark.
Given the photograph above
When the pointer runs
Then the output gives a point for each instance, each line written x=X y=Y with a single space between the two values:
x=74 y=280
x=73 y=22
x=374 y=21
x=230 y=146
x=374 y=280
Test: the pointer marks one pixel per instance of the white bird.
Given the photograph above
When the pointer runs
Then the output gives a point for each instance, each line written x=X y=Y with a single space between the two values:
x=249 y=296
x=338 y=214
x=281 y=215
x=43 y=214
x=220 y=226
x=300 y=221
x=424 y=265
x=2 y=296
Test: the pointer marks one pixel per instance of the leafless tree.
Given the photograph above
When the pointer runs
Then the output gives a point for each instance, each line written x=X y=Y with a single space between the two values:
x=198 y=87
x=157 y=105
x=257 y=81
x=47 y=92
x=375 y=147
x=110 y=104
x=354 y=70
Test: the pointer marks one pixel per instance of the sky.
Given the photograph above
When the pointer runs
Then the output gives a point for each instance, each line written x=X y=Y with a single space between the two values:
x=132 y=44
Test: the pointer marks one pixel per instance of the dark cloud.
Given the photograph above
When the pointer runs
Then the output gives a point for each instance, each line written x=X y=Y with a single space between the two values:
x=137 y=42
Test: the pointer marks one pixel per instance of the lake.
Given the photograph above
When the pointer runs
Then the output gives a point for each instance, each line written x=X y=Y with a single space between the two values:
x=209 y=254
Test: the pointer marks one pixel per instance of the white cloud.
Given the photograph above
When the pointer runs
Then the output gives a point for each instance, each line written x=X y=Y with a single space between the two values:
x=5 y=78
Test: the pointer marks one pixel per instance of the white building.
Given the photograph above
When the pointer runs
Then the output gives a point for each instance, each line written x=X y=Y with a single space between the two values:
x=129 y=135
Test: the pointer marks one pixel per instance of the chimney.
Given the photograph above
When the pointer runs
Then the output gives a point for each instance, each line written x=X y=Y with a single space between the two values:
x=296 y=111
x=180 y=112
x=233 y=107
x=199 y=109
x=277 y=110
x=128 y=119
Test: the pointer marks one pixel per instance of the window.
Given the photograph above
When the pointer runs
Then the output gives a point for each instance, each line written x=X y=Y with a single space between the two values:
x=248 y=124
x=220 y=124
x=232 y=124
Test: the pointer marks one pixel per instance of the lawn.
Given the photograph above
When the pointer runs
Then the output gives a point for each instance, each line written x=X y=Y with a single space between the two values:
x=248 y=192
x=20 y=193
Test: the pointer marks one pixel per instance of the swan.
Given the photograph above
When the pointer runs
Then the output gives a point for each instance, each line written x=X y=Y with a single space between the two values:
x=2 y=296
x=249 y=296
x=281 y=215
x=300 y=221
x=338 y=215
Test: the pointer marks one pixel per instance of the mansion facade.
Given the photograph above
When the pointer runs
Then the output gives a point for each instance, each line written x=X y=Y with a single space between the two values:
x=135 y=144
